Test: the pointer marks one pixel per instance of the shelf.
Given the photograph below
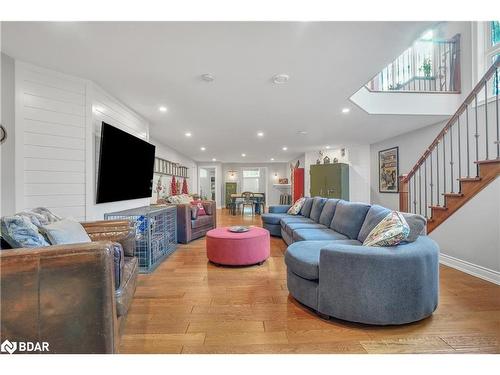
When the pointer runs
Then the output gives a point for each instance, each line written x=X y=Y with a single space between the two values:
x=282 y=185
x=169 y=174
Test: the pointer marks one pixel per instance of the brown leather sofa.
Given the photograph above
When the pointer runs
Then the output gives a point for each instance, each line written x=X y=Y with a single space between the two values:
x=75 y=297
x=188 y=229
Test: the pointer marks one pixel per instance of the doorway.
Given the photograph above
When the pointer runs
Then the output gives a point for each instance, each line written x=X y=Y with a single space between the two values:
x=206 y=177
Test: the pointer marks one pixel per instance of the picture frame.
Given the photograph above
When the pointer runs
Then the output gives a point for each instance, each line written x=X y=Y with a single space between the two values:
x=388 y=170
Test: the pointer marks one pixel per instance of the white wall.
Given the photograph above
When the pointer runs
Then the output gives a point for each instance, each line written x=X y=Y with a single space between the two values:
x=167 y=153
x=55 y=141
x=470 y=238
x=50 y=141
x=411 y=147
x=7 y=202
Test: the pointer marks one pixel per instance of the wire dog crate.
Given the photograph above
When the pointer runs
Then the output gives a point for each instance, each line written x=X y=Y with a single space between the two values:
x=155 y=233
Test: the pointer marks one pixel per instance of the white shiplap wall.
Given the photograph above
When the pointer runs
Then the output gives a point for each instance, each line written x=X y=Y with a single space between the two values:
x=50 y=141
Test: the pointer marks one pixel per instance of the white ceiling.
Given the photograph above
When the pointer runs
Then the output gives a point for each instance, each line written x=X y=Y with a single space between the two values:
x=148 y=64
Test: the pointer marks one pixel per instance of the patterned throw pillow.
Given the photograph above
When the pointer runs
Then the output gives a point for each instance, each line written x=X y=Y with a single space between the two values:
x=295 y=209
x=392 y=230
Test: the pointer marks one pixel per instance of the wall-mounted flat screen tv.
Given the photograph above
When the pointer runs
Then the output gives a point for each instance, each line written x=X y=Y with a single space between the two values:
x=125 y=166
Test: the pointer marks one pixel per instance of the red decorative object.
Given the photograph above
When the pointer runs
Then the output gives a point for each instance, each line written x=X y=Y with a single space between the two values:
x=184 y=187
x=297 y=183
x=173 y=187
x=201 y=209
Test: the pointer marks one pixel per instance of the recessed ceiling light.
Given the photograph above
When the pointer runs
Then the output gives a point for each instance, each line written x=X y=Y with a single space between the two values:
x=162 y=109
x=260 y=134
x=208 y=77
x=327 y=147
x=202 y=148
x=243 y=155
x=214 y=159
x=302 y=132
x=346 y=110
x=272 y=159
x=187 y=134
x=285 y=148
x=281 y=78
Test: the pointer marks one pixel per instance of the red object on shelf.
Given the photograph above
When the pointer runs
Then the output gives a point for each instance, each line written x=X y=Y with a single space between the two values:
x=297 y=183
x=184 y=187
x=173 y=187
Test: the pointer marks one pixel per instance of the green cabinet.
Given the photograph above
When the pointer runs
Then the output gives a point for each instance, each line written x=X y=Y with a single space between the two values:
x=230 y=189
x=330 y=180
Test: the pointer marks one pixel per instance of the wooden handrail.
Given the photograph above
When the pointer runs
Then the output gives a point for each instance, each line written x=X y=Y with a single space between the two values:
x=468 y=100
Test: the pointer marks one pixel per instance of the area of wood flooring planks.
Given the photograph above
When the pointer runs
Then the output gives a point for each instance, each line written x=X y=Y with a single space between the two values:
x=188 y=305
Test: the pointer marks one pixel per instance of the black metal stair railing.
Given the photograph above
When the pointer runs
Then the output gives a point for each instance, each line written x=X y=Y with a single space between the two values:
x=449 y=158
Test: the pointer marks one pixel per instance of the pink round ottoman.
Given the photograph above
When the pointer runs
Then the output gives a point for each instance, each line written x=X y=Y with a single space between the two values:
x=238 y=249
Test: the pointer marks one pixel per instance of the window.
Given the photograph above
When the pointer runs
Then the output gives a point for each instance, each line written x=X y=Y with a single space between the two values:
x=492 y=48
x=251 y=180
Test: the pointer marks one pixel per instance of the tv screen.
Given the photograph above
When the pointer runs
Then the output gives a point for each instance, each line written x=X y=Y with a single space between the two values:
x=125 y=166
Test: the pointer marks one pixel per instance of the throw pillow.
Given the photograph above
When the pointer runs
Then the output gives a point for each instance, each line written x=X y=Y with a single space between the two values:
x=201 y=209
x=18 y=231
x=65 y=231
x=194 y=212
x=295 y=209
x=392 y=230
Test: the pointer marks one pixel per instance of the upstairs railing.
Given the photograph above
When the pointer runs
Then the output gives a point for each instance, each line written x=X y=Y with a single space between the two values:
x=472 y=134
x=430 y=66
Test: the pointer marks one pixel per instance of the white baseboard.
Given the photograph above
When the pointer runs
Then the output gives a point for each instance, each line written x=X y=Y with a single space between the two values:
x=470 y=268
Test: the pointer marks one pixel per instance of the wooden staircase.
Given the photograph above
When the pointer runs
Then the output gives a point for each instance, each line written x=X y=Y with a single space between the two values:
x=442 y=180
x=469 y=187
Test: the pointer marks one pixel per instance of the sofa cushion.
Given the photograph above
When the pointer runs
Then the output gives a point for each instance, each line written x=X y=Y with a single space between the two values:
x=294 y=219
x=374 y=216
x=302 y=258
x=201 y=221
x=417 y=224
x=317 y=235
x=317 y=208
x=349 y=217
x=328 y=212
x=306 y=207
x=65 y=231
x=290 y=227
x=272 y=218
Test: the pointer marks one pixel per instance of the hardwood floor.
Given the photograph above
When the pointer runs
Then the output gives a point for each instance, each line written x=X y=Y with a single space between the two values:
x=188 y=305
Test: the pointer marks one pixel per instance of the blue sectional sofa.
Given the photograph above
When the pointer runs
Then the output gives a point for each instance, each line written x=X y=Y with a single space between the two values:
x=330 y=271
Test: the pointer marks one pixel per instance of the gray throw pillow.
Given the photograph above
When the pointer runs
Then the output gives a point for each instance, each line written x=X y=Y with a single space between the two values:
x=65 y=231
x=194 y=212
x=417 y=224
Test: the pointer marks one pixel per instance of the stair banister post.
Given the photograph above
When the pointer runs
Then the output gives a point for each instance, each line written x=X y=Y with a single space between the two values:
x=403 y=193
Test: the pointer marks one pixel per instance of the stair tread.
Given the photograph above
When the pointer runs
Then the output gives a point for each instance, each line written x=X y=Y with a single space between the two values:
x=453 y=194
x=497 y=160
x=469 y=179
x=438 y=207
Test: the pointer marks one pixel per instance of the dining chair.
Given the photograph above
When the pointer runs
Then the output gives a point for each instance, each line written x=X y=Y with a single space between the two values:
x=248 y=200
x=260 y=202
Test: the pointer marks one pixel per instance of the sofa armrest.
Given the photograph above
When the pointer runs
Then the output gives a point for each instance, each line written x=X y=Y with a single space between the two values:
x=184 y=229
x=63 y=295
x=121 y=231
x=279 y=209
x=345 y=271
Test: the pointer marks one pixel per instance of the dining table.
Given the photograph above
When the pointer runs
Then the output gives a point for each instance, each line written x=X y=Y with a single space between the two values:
x=257 y=197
